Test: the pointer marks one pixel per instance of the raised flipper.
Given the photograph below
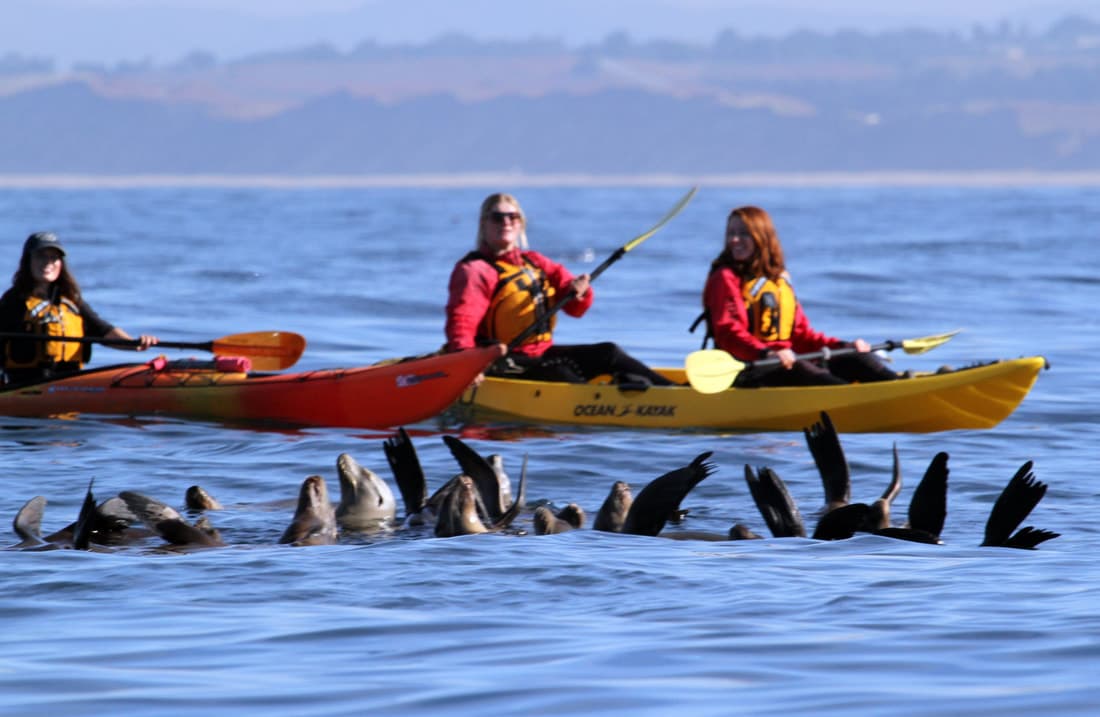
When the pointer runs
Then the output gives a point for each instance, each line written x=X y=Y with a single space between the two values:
x=168 y=523
x=843 y=522
x=517 y=505
x=85 y=522
x=481 y=472
x=655 y=502
x=828 y=454
x=27 y=523
x=774 y=501
x=879 y=517
x=1015 y=503
x=1029 y=538
x=928 y=506
x=407 y=472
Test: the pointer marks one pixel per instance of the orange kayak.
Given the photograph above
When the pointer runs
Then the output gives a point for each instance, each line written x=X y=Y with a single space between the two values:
x=385 y=395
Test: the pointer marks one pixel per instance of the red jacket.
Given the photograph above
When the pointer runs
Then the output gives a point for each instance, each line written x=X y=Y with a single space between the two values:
x=724 y=302
x=471 y=290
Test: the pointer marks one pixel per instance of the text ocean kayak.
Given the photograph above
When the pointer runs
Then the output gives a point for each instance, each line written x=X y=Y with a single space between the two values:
x=381 y=396
x=974 y=397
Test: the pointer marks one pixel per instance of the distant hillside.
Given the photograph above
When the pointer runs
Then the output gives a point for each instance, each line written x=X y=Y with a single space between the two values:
x=912 y=100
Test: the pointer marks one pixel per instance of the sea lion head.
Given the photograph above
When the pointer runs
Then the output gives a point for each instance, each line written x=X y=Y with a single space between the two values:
x=198 y=499
x=314 y=521
x=458 y=513
x=366 y=501
x=612 y=513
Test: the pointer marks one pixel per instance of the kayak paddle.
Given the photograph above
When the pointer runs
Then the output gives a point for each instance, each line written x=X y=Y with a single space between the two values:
x=714 y=370
x=615 y=256
x=268 y=350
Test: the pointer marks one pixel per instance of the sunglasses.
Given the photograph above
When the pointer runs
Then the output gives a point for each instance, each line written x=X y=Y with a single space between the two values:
x=499 y=217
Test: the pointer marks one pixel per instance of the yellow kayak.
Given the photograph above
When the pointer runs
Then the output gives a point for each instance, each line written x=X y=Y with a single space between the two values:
x=974 y=397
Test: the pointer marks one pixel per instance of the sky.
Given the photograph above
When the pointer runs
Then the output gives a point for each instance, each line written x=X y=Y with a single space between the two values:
x=162 y=31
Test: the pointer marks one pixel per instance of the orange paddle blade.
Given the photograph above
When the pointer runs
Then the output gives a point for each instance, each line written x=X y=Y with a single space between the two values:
x=268 y=350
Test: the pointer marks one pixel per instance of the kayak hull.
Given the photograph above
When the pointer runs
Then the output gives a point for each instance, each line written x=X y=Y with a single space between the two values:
x=380 y=396
x=971 y=398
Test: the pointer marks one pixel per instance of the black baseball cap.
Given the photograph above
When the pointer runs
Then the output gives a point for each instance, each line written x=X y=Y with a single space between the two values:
x=42 y=240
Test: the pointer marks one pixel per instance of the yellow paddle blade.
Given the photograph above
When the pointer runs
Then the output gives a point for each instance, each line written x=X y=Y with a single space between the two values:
x=664 y=220
x=711 y=370
x=922 y=344
x=268 y=350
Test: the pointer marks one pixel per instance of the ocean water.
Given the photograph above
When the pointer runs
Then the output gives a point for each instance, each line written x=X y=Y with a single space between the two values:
x=585 y=622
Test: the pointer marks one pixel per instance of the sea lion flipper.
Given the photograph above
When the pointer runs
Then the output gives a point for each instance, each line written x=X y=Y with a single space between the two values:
x=824 y=445
x=774 y=501
x=85 y=522
x=481 y=472
x=517 y=505
x=1015 y=503
x=407 y=471
x=894 y=488
x=27 y=523
x=843 y=522
x=657 y=500
x=928 y=506
x=166 y=521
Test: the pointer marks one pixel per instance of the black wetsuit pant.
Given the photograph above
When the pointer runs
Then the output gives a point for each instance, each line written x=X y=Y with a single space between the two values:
x=580 y=363
x=846 y=368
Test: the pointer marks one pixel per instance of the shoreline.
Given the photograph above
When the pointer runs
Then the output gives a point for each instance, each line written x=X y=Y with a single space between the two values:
x=1086 y=178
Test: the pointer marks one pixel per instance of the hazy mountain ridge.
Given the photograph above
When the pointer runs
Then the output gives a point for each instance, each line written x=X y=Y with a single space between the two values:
x=805 y=102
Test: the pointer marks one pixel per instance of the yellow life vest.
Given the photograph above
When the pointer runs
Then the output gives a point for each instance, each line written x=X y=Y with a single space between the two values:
x=522 y=296
x=49 y=319
x=771 y=308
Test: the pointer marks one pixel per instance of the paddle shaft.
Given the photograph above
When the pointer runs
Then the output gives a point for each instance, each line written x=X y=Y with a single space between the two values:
x=824 y=353
x=541 y=322
x=133 y=343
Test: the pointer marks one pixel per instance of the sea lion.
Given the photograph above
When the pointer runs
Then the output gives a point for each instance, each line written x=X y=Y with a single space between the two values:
x=198 y=499
x=658 y=499
x=366 y=501
x=832 y=465
x=459 y=512
x=1013 y=505
x=613 y=512
x=487 y=480
x=546 y=522
x=108 y=523
x=314 y=520
x=740 y=531
x=166 y=522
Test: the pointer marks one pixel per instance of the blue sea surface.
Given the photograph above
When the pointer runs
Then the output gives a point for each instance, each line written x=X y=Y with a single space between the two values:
x=584 y=622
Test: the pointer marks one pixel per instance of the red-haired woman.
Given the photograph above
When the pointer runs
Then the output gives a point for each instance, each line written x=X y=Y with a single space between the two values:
x=752 y=313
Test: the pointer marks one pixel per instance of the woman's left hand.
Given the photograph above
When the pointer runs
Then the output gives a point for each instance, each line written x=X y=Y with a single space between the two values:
x=580 y=285
x=861 y=346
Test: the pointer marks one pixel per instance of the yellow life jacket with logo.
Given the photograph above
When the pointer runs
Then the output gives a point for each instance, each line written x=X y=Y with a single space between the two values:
x=523 y=295
x=49 y=319
x=771 y=307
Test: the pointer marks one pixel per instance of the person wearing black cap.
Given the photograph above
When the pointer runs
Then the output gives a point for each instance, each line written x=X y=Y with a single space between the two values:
x=45 y=300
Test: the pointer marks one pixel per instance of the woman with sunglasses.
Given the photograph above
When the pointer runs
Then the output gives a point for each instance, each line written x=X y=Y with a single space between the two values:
x=752 y=312
x=44 y=299
x=501 y=289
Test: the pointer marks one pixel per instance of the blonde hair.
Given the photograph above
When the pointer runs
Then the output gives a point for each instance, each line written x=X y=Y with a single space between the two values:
x=487 y=208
